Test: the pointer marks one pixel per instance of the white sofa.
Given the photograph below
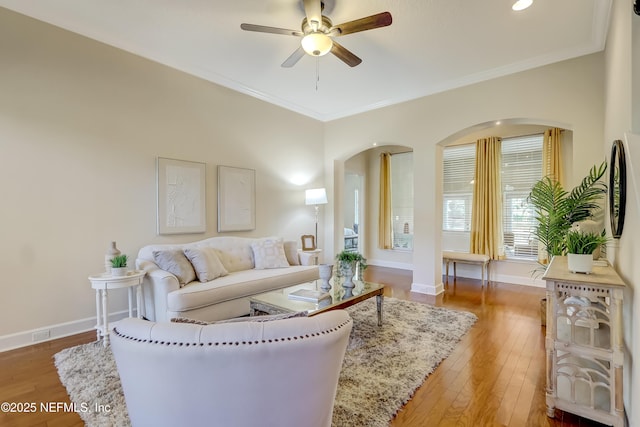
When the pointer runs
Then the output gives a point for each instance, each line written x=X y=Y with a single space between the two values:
x=224 y=297
x=243 y=374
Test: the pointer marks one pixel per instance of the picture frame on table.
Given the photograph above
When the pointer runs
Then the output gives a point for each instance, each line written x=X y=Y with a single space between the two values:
x=181 y=196
x=308 y=242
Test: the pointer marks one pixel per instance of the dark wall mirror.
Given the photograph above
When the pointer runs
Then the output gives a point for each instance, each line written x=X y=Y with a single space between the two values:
x=617 y=188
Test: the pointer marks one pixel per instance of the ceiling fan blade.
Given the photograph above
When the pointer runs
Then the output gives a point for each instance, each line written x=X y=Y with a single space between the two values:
x=345 y=55
x=313 y=10
x=272 y=30
x=294 y=58
x=369 y=23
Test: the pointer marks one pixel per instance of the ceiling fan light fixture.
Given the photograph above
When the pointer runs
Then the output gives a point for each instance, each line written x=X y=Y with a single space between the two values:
x=317 y=44
x=521 y=4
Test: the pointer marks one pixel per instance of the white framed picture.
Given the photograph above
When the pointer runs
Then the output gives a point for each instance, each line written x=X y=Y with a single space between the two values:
x=236 y=199
x=181 y=198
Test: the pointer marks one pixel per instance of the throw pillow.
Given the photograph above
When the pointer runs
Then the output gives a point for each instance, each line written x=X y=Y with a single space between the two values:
x=176 y=263
x=269 y=253
x=206 y=263
x=291 y=252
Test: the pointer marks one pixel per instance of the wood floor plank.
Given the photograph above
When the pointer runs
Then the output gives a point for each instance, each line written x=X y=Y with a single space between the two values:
x=494 y=377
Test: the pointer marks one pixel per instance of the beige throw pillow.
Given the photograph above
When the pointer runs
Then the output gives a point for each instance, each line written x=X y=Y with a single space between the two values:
x=176 y=263
x=269 y=253
x=206 y=263
x=291 y=252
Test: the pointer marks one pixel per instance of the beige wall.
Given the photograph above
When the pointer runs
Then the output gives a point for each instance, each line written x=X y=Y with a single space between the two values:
x=622 y=78
x=81 y=125
x=568 y=94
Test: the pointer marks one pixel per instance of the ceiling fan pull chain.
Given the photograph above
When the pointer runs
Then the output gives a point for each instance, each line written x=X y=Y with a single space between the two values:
x=317 y=71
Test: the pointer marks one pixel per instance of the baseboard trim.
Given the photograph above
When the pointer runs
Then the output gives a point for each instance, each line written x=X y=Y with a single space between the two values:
x=519 y=280
x=60 y=330
x=422 y=288
x=391 y=264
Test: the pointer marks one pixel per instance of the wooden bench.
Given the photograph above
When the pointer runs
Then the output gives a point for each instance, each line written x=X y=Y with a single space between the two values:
x=466 y=258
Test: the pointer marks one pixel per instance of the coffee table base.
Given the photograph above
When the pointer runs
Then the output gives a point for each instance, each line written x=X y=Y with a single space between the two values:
x=258 y=307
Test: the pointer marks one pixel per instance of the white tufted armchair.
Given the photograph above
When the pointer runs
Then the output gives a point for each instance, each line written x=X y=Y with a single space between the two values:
x=276 y=373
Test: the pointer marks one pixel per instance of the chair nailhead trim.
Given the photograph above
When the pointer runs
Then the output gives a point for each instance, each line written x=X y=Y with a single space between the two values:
x=236 y=343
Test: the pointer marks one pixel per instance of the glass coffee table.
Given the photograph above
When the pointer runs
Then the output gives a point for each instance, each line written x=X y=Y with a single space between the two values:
x=278 y=302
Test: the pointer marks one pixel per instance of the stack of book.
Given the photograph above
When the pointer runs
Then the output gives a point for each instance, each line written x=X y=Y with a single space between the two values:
x=309 y=295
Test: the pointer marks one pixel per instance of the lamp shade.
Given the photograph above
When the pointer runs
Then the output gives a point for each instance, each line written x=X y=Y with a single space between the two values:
x=315 y=196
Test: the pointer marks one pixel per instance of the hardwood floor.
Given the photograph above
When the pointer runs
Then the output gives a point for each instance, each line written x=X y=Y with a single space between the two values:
x=495 y=377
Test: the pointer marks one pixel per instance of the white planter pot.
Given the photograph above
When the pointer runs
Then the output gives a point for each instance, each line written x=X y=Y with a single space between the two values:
x=580 y=263
x=119 y=272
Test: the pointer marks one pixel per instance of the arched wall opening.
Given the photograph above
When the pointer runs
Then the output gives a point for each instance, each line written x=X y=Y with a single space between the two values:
x=518 y=271
x=356 y=192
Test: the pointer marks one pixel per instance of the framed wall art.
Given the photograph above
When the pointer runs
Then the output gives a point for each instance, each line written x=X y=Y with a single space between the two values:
x=181 y=202
x=236 y=199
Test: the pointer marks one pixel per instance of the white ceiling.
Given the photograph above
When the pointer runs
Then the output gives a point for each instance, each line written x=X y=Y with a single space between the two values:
x=432 y=45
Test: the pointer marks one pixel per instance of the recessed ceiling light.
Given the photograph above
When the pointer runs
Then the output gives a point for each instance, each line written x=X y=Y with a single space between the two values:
x=521 y=4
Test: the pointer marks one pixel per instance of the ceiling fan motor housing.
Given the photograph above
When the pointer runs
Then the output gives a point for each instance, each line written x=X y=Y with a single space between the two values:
x=322 y=27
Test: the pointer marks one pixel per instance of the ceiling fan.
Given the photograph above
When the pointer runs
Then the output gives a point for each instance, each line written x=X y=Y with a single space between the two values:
x=317 y=32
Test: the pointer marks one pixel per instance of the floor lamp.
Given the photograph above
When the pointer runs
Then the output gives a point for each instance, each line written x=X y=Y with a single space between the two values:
x=316 y=196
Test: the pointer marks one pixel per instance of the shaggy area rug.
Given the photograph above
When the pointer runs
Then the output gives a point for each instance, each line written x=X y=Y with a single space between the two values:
x=383 y=366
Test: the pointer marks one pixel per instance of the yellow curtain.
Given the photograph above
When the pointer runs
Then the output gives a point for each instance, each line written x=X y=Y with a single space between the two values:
x=551 y=167
x=552 y=155
x=486 y=215
x=385 y=239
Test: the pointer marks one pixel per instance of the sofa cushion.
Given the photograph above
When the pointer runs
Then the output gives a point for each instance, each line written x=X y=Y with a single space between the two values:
x=234 y=252
x=269 y=253
x=239 y=284
x=176 y=263
x=206 y=263
x=291 y=252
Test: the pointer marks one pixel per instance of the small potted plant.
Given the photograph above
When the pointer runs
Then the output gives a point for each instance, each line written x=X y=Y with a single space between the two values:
x=348 y=263
x=580 y=247
x=119 y=265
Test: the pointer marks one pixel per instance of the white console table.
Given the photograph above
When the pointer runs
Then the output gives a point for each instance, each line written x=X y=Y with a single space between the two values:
x=585 y=358
x=105 y=282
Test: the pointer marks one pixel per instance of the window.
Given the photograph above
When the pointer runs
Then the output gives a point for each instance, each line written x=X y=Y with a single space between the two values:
x=459 y=168
x=402 y=200
x=521 y=169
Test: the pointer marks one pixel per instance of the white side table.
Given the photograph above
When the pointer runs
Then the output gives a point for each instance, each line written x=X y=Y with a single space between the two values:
x=309 y=257
x=102 y=284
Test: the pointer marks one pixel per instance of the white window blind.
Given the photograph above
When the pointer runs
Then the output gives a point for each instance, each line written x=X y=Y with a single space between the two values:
x=459 y=168
x=521 y=169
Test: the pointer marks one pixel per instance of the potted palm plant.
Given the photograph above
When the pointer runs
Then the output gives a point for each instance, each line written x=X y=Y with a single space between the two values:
x=557 y=209
x=580 y=248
